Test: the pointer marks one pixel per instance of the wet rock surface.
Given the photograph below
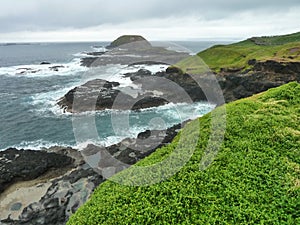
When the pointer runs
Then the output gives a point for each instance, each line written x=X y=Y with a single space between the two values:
x=100 y=95
x=97 y=94
x=22 y=165
x=175 y=86
x=147 y=90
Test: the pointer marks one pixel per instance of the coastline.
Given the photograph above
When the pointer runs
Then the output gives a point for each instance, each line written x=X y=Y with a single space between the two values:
x=52 y=194
x=56 y=193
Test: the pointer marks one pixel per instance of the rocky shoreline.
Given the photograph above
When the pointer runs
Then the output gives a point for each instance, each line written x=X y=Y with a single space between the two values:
x=47 y=186
x=152 y=90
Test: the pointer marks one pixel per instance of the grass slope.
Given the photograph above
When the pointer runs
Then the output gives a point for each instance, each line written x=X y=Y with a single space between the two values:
x=254 y=179
x=236 y=56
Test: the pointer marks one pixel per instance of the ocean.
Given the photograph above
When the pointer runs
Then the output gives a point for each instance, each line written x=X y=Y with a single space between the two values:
x=30 y=117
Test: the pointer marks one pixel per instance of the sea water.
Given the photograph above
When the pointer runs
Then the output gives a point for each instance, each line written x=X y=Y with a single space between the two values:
x=29 y=91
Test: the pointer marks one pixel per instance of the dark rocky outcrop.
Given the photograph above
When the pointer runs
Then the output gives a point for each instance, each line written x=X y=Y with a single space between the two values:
x=235 y=84
x=20 y=165
x=100 y=94
x=96 y=94
x=138 y=75
x=95 y=53
x=263 y=76
x=274 y=67
x=45 y=63
x=185 y=81
x=56 y=68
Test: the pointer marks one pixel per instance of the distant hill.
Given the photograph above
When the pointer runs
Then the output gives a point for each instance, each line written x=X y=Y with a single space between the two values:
x=129 y=39
x=254 y=179
x=241 y=55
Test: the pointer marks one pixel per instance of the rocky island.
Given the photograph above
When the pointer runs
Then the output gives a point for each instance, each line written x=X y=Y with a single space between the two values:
x=236 y=80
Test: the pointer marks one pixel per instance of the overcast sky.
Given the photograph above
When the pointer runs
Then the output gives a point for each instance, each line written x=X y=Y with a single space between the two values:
x=99 y=20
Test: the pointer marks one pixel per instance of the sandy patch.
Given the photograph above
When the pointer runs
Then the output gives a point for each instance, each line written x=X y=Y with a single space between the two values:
x=20 y=195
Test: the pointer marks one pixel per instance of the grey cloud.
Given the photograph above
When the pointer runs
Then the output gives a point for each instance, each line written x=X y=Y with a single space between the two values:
x=16 y=15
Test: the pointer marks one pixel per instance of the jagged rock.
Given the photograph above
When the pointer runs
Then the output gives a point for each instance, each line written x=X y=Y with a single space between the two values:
x=100 y=94
x=271 y=66
x=55 y=68
x=95 y=53
x=138 y=75
x=97 y=94
x=263 y=76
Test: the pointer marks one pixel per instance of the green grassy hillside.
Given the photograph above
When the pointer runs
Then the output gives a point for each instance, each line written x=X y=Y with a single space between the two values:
x=236 y=56
x=254 y=179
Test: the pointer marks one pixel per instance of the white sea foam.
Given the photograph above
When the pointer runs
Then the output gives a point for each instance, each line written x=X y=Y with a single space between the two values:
x=152 y=68
x=62 y=69
x=37 y=145
x=43 y=103
x=185 y=111
x=115 y=73
x=82 y=55
x=105 y=142
x=99 y=48
x=111 y=140
x=125 y=81
x=177 y=112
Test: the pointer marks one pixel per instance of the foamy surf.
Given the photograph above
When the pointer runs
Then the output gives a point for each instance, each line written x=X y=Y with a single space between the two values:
x=44 y=70
x=39 y=145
